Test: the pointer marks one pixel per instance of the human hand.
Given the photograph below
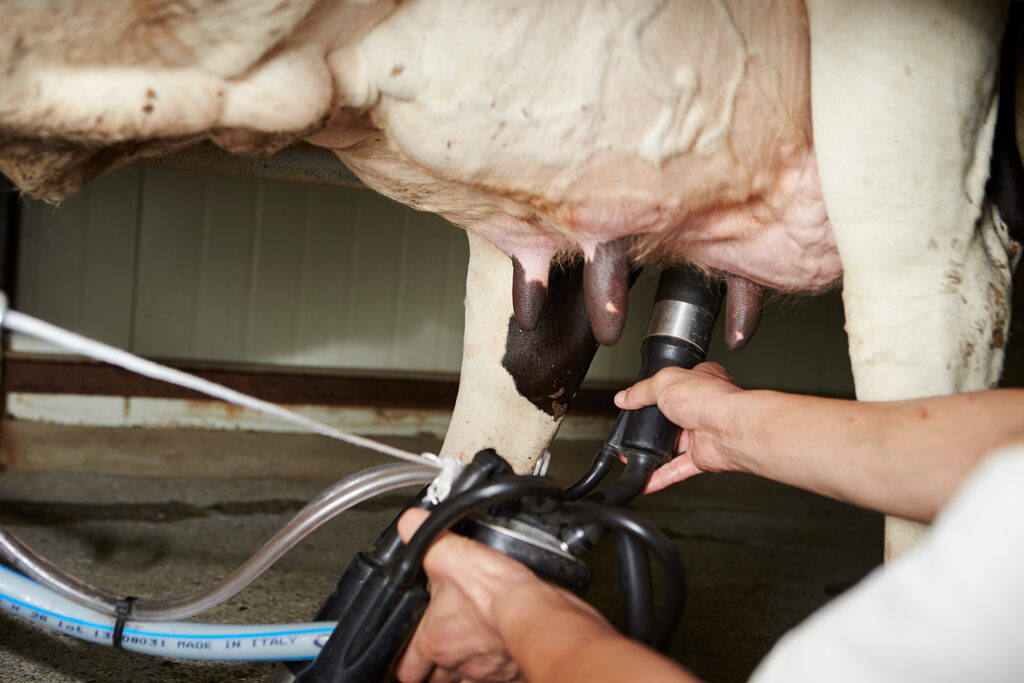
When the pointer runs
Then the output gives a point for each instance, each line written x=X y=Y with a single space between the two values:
x=491 y=619
x=479 y=600
x=692 y=400
x=458 y=636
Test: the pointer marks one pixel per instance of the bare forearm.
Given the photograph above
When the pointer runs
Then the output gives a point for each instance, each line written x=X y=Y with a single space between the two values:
x=902 y=457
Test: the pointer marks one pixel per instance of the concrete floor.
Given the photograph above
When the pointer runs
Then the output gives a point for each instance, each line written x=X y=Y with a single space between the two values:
x=160 y=513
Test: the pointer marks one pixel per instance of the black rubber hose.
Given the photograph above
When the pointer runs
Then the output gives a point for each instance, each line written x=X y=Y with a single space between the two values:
x=635 y=579
x=639 y=468
x=672 y=568
x=620 y=492
x=604 y=460
x=454 y=509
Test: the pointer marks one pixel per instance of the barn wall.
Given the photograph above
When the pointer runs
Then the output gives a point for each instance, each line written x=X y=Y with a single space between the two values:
x=188 y=266
x=195 y=267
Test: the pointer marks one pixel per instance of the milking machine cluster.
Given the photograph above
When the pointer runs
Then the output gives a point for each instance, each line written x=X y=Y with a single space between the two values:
x=368 y=619
x=383 y=594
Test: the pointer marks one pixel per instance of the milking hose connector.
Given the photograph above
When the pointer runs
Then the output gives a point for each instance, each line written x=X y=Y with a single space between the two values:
x=685 y=310
x=382 y=595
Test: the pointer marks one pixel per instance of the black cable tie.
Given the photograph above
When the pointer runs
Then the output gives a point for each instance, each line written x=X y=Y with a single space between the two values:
x=123 y=607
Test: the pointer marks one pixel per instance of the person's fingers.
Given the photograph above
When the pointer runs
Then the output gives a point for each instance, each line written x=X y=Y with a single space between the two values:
x=643 y=393
x=410 y=521
x=451 y=553
x=666 y=377
x=637 y=396
x=679 y=468
x=647 y=392
x=715 y=370
x=442 y=675
x=415 y=665
x=492 y=666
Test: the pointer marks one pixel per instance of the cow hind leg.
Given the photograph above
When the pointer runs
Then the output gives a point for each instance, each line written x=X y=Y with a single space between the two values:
x=903 y=129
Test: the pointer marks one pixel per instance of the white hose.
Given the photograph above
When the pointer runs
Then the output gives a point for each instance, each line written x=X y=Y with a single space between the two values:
x=185 y=640
x=26 y=324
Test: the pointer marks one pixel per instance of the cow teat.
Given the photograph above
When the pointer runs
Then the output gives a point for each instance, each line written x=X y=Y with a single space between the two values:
x=528 y=297
x=606 y=288
x=742 y=311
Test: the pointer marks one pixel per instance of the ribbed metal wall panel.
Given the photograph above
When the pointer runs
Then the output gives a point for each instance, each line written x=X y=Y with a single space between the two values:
x=76 y=265
x=218 y=268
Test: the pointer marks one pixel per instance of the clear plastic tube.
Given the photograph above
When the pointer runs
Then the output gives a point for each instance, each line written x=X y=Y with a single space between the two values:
x=221 y=642
x=346 y=493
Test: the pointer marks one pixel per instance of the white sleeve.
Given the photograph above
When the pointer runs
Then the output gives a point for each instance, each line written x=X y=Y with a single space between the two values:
x=951 y=610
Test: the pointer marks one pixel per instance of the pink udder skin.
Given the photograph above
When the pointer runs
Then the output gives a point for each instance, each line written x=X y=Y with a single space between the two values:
x=781 y=239
x=534 y=252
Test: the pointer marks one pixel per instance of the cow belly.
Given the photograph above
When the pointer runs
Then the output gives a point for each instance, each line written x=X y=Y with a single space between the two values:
x=547 y=128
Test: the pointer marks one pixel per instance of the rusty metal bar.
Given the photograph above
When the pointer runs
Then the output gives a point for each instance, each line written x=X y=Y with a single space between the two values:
x=61 y=375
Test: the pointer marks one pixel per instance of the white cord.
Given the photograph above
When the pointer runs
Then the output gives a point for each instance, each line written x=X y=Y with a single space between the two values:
x=26 y=324
x=442 y=485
